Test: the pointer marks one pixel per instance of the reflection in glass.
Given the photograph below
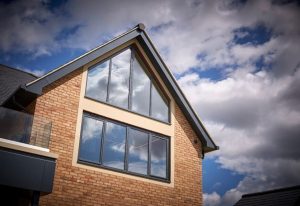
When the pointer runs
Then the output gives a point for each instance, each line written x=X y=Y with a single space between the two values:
x=159 y=105
x=158 y=157
x=90 y=139
x=140 y=89
x=119 y=80
x=114 y=146
x=109 y=82
x=137 y=151
x=97 y=79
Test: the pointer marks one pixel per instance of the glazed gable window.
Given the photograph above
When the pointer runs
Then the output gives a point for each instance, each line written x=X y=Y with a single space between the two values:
x=122 y=81
x=112 y=145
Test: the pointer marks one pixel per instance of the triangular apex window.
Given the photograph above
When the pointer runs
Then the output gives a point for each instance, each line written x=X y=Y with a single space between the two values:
x=124 y=82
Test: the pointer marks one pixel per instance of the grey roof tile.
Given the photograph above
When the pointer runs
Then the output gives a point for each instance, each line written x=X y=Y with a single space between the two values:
x=289 y=196
x=10 y=81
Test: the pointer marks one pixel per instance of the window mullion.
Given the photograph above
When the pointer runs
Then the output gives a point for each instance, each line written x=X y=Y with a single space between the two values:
x=130 y=81
x=150 y=105
x=109 y=78
x=149 y=155
x=102 y=141
x=167 y=158
x=126 y=150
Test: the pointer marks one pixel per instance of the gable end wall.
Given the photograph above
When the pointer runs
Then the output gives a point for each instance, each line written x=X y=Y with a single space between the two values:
x=78 y=186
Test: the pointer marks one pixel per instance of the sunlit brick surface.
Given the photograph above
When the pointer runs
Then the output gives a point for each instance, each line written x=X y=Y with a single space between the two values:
x=77 y=186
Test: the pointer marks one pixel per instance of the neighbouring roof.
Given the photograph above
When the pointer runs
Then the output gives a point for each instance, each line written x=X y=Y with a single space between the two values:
x=289 y=196
x=10 y=80
x=36 y=86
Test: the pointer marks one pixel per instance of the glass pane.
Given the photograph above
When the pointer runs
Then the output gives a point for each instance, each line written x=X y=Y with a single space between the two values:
x=96 y=87
x=158 y=157
x=160 y=109
x=119 y=82
x=90 y=139
x=17 y=126
x=140 y=89
x=114 y=146
x=137 y=151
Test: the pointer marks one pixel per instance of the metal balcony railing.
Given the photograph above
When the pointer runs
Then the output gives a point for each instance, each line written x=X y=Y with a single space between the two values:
x=25 y=128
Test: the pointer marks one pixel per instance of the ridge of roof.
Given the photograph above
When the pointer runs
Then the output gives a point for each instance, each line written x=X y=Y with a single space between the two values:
x=139 y=33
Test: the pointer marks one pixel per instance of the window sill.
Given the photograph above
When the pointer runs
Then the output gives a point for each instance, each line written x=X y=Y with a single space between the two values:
x=117 y=172
x=127 y=110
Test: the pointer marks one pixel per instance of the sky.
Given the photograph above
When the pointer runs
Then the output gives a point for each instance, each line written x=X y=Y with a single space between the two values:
x=237 y=62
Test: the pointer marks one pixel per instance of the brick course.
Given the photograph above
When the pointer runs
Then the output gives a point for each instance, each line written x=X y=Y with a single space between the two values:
x=78 y=186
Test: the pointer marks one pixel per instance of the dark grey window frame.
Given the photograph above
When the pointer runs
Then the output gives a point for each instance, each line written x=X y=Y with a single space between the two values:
x=152 y=81
x=125 y=171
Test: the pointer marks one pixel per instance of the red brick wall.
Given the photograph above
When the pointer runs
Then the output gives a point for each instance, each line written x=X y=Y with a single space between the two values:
x=78 y=186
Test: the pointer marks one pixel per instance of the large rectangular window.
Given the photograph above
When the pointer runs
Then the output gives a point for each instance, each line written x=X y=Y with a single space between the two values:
x=113 y=145
x=124 y=82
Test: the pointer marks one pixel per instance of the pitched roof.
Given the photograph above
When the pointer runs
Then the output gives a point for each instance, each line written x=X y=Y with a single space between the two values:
x=289 y=196
x=10 y=80
x=141 y=36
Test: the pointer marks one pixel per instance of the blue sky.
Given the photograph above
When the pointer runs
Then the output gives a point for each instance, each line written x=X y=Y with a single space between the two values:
x=236 y=61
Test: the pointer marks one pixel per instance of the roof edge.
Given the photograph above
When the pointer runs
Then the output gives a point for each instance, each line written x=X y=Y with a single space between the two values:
x=210 y=145
x=139 y=26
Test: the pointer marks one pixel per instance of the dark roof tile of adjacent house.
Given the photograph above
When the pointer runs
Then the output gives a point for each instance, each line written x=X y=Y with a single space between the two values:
x=10 y=80
x=289 y=196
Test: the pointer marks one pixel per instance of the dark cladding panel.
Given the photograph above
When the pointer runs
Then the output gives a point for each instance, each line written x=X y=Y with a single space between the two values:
x=26 y=171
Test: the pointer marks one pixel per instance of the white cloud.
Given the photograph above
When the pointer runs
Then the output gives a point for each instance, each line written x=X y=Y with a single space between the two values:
x=255 y=125
x=28 y=27
x=212 y=199
x=254 y=116
x=188 y=29
x=36 y=72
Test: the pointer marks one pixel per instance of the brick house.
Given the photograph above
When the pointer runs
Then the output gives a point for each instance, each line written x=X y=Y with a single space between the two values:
x=111 y=127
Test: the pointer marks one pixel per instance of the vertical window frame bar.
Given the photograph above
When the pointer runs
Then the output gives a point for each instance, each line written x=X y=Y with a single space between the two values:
x=102 y=142
x=150 y=105
x=149 y=154
x=130 y=79
x=80 y=140
x=126 y=149
x=168 y=158
x=108 y=81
